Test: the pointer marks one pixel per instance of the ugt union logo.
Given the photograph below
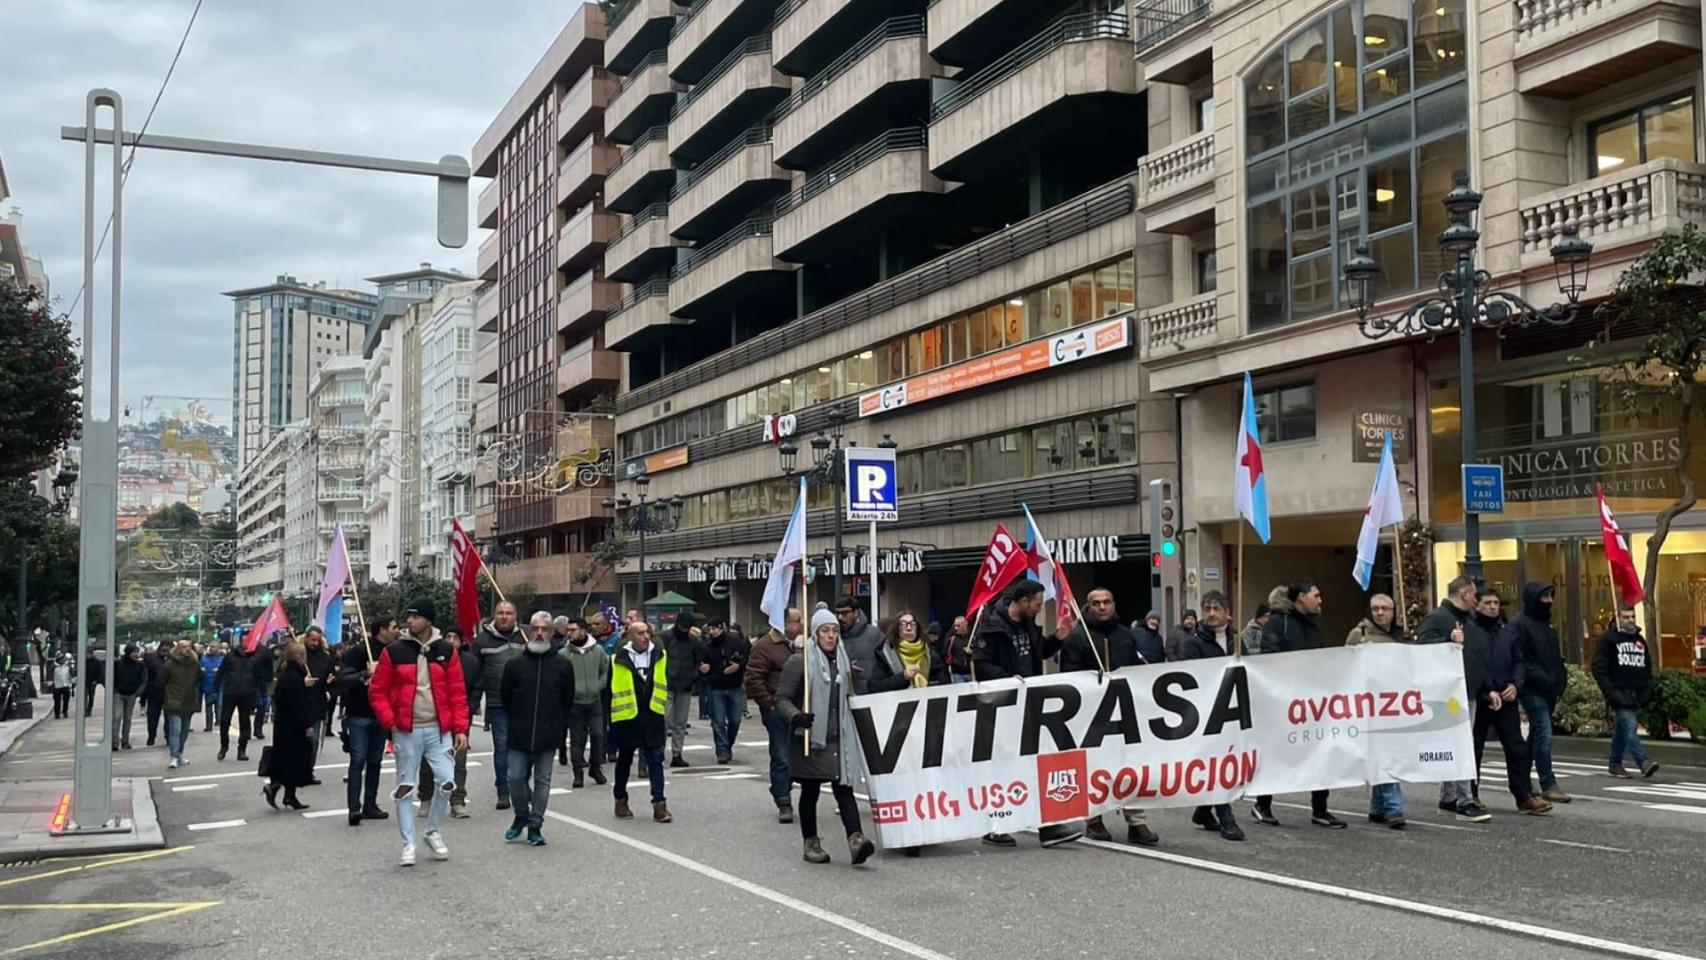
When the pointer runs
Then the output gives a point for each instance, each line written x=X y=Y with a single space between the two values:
x=1061 y=778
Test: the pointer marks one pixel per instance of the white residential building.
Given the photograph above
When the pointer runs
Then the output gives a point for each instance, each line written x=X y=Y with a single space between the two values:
x=323 y=485
x=446 y=482
x=262 y=515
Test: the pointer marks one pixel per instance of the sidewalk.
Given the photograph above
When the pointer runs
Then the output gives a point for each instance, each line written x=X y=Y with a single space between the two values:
x=11 y=730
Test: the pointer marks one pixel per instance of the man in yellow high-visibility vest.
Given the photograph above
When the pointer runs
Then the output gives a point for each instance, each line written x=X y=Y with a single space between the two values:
x=639 y=696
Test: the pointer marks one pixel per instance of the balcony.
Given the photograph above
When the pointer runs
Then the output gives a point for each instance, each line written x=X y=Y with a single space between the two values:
x=486 y=309
x=554 y=575
x=643 y=99
x=582 y=173
x=585 y=368
x=642 y=174
x=887 y=69
x=735 y=94
x=641 y=246
x=1176 y=325
x=342 y=495
x=730 y=183
x=810 y=33
x=968 y=33
x=1627 y=207
x=883 y=181
x=486 y=416
x=358 y=558
x=1565 y=48
x=350 y=525
x=644 y=312
x=487 y=209
x=725 y=268
x=581 y=110
x=705 y=32
x=1175 y=186
x=1172 y=40
x=486 y=363
x=585 y=302
x=635 y=27
x=486 y=262
x=327 y=401
x=1063 y=79
x=581 y=242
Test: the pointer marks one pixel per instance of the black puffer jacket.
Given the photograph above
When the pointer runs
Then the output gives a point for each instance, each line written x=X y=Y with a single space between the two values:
x=323 y=668
x=1202 y=644
x=1436 y=627
x=130 y=676
x=538 y=690
x=683 y=649
x=1115 y=644
x=1537 y=642
x=241 y=674
x=1289 y=628
x=1003 y=648
x=496 y=649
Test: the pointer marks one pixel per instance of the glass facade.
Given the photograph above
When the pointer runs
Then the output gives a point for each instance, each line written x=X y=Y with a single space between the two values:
x=1354 y=126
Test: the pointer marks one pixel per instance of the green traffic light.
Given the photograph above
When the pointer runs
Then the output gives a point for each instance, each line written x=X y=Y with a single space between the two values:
x=1168 y=548
x=192 y=618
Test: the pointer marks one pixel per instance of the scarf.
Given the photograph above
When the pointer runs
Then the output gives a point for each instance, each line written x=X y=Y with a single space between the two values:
x=819 y=674
x=915 y=654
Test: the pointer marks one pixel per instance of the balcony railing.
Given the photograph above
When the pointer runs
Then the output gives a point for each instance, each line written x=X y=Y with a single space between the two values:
x=656 y=287
x=687 y=16
x=1176 y=166
x=784 y=10
x=1181 y=322
x=659 y=132
x=1073 y=28
x=1154 y=22
x=648 y=61
x=748 y=47
x=1622 y=207
x=891 y=141
x=911 y=26
x=756 y=226
x=751 y=138
x=618 y=13
x=656 y=211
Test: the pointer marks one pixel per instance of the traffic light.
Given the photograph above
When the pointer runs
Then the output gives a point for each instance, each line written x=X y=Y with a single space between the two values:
x=1165 y=566
x=266 y=598
x=192 y=618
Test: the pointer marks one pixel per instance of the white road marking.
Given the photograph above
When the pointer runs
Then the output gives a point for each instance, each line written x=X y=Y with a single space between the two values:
x=1674 y=808
x=387 y=766
x=732 y=776
x=559 y=791
x=752 y=743
x=194 y=786
x=1348 y=814
x=216 y=825
x=1408 y=906
x=692 y=747
x=1668 y=791
x=316 y=814
x=780 y=899
x=1585 y=846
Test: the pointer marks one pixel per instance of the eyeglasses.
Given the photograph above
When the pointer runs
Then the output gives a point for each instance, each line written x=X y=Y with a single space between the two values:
x=908 y=622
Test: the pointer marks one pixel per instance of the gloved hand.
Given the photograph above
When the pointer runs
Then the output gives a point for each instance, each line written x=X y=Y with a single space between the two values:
x=803 y=721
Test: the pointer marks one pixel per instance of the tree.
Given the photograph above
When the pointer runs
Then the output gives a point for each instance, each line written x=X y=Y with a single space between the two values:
x=175 y=516
x=606 y=556
x=1666 y=374
x=39 y=370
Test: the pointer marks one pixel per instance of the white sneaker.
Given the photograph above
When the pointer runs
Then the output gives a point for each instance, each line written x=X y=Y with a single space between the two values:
x=435 y=841
x=172 y=766
x=408 y=859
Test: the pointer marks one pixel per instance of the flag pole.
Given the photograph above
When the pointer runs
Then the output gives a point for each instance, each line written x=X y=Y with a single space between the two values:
x=487 y=570
x=1398 y=570
x=361 y=618
x=1238 y=641
x=806 y=643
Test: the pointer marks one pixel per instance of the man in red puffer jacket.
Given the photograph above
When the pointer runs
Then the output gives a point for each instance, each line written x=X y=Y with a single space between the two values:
x=419 y=694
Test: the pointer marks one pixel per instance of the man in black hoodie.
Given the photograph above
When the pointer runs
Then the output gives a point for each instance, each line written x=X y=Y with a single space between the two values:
x=363 y=737
x=322 y=673
x=1544 y=680
x=722 y=662
x=1102 y=641
x=1624 y=671
x=500 y=642
x=1293 y=627
x=538 y=690
x=238 y=681
x=154 y=694
x=681 y=645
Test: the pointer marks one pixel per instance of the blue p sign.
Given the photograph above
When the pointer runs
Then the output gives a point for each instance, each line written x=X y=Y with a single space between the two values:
x=871 y=487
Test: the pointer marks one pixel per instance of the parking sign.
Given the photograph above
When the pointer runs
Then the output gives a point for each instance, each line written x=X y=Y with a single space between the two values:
x=871 y=484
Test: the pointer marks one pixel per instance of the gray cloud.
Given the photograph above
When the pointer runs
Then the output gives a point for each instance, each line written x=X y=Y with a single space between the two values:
x=413 y=80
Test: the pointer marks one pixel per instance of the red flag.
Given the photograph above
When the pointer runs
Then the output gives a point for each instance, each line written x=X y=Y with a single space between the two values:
x=465 y=575
x=272 y=619
x=1617 y=554
x=1003 y=562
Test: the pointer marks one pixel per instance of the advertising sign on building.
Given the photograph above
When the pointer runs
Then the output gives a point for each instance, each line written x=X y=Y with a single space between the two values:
x=1369 y=430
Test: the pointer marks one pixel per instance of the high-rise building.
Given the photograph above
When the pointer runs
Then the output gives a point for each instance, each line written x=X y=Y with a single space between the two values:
x=281 y=334
x=324 y=483
x=447 y=397
x=262 y=507
x=555 y=381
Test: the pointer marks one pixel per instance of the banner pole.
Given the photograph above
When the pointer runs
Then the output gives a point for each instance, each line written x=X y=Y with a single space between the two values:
x=1398 y=572
x=875 y=595
x=971 y=662
x=1238 y=641
x=487 y=570
x=361 y=618
x=807 y=640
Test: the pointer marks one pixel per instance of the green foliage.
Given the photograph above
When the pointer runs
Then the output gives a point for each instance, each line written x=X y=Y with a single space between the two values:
x=1676 y=695
x=176 y=516
x=39 y=377
x=1581 y=710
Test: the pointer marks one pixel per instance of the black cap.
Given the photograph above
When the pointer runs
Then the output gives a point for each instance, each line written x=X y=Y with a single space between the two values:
x=422 y=608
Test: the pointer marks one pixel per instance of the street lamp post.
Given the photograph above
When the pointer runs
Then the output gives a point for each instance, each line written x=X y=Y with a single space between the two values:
x=1466 y=301
x=637 y=517
x=826 y=470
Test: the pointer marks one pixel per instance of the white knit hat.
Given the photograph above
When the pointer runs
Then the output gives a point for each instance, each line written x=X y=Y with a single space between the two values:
x=820 y=618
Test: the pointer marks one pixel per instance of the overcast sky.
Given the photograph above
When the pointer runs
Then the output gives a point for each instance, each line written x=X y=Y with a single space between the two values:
x=413 y=80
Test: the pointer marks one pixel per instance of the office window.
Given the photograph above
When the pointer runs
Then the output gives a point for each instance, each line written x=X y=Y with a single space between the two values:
x=1286 y=412
x=1661 y=130
x=1207 y=277
x=1202 y=114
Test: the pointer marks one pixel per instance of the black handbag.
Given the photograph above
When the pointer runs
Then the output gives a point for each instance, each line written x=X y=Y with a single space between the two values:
x=265 y=768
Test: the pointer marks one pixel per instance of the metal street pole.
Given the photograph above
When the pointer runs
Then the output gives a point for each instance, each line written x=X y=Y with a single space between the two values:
x=20 y=643
x=1466 y=403
x=835 y=484
x=641 y=516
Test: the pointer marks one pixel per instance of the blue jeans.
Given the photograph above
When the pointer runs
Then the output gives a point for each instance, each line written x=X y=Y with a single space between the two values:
x=366 y=742
x=777 y=728
x=177 y=732
x=727 y=709
x=960 y=677
x=432 y=745
x=1624 y=738
x=497 y=718
x=211 y=704
x=1539 y=714
x=530 y=786
x=625 y=765
x=1386 y=800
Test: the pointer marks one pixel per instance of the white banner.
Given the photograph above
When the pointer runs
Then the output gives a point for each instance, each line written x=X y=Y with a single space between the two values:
x=951 y=762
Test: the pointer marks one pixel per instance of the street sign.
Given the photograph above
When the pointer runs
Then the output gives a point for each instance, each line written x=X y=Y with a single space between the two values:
x=1483 y=488
x=871 y=484
x=719 y=590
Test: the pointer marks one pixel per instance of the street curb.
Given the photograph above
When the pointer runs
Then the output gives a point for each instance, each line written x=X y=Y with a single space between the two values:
x=12 y=730
x=145 y=833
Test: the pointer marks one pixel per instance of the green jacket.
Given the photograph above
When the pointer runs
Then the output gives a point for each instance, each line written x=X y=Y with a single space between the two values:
x=592 y=671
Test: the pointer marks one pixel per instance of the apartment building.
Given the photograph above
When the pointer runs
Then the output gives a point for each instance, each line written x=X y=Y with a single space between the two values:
x=1282 y=135
x=887 y=219
x=554 y=379
x=260 y=516
x=325 y=484
x=445 y=480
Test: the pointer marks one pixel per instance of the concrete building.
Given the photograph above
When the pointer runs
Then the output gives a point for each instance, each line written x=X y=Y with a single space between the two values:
x=445 y=481
x=18 y=262
x=281 y=334
x=554 y=379
x=1281 y=135
x=917 y=220
x=261 y=511
x=324 y=483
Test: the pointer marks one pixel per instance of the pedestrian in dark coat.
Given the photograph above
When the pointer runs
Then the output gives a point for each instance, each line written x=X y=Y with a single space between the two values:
x=1543 y=679
x=640 y=675
x=154 y=695
x=1293 y=627
x=812 y=699
x=1623 y=668
x=293 y=730
x=181 y=698
x=905 y=659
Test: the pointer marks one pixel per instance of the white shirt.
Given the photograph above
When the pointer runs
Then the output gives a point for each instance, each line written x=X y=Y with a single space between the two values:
x=642 y=659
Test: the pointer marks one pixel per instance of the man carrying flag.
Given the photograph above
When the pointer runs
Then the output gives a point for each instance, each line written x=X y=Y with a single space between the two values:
x=789 y=553
x=770 y=653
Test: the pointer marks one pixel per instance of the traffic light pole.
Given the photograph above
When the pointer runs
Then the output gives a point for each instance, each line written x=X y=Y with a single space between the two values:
x=1165 y=582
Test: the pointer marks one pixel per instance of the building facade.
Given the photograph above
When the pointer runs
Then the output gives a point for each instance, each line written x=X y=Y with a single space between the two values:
x=325 y=484
x=262 y=507
x=554 y=380
x=448 y=393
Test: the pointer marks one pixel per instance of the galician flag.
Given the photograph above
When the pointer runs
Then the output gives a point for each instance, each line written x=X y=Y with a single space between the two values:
x=329 y=614
x=1249 y=480
x=1385 y=507
x=790 y=552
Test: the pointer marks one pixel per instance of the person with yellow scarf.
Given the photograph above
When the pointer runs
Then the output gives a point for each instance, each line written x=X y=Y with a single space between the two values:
x=905 y=659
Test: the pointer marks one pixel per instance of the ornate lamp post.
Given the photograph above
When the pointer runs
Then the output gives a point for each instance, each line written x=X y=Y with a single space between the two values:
x=826 y=470
x=639 y=517
x=1466 y=301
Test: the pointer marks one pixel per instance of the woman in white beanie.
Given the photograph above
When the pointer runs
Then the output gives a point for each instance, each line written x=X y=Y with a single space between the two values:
x=820 y=678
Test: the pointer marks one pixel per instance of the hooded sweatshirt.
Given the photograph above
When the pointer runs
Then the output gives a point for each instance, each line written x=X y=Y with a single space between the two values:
x=1623 y=668
x=1544 y=674
x=592 y=670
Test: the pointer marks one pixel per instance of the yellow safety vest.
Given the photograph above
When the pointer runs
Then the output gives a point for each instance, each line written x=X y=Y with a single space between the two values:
x=623 y=704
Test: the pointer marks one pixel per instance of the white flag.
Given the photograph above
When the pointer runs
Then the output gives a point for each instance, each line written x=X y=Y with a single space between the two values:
x=789 y=553
x=1385 y=507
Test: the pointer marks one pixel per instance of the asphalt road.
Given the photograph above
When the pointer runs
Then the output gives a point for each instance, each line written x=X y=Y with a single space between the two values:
x=1617 y=867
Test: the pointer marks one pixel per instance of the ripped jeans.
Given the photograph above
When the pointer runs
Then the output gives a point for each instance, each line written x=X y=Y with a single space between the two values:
x=434 y=746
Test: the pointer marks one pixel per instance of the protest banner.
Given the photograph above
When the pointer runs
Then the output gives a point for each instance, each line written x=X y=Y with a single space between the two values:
x=951 y=762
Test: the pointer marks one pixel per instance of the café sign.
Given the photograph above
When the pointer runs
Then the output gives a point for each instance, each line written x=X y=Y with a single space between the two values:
x=903 y=560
